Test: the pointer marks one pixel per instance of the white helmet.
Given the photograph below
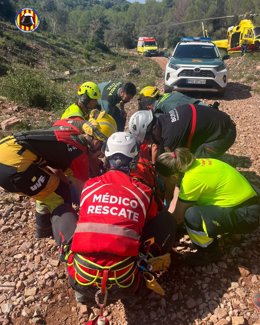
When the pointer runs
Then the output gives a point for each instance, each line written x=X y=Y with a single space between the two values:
x=123 y=143
x=139 y=122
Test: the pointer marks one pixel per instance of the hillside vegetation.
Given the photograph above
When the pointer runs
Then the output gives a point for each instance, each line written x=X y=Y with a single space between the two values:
x=44 y=70
x=82 y=40
x=106 y=23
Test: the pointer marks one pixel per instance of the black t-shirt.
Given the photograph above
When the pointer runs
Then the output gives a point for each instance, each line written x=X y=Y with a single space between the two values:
x=176 y=126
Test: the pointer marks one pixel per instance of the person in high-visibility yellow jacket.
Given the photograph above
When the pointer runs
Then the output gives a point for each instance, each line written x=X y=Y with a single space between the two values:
x=88 y=94
x=214 y=199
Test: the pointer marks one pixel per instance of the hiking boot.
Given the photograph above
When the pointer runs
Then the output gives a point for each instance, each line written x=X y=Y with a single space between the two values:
x=204 y=256
x=85 y=298
x=43 y=232
x=43 y=225
x=80 y=297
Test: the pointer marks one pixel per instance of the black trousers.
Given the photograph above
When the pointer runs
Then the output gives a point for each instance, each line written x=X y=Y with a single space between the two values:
x=237 y=220
x=217 y=147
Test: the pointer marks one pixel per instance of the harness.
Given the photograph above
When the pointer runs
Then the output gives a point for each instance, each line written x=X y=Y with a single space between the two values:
x=88 y=273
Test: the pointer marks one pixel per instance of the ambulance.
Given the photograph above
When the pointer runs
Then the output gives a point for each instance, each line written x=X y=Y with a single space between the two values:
x=147 y=46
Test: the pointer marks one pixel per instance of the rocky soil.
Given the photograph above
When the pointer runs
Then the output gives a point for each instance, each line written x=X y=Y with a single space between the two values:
x=33 y=285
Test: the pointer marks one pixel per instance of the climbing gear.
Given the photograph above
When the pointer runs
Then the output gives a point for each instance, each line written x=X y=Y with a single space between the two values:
x=88 y=273
x=64 y=252
x=148 y=265
x=149 y=91
x=139 y=123
x=90 y=89
x=160 y=263
x=152 y=284
x=99 y=319
x=123 y=143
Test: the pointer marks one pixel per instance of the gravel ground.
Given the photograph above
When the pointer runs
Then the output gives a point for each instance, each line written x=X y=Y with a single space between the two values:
x=33 y=285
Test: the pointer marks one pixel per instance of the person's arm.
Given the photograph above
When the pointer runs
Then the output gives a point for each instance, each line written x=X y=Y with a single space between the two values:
x=60 y=174
x=174 y=200
x=155 y=151
x=180 y=210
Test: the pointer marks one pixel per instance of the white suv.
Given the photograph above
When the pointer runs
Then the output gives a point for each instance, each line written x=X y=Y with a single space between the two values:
x=196 y=65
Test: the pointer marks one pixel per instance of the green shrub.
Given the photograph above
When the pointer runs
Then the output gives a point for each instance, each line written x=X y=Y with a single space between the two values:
x=32 y=88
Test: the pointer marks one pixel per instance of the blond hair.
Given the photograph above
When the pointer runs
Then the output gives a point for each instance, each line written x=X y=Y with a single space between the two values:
x=176 y=162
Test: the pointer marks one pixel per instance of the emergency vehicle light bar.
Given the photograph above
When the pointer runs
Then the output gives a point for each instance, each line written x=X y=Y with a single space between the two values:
x=194 y=39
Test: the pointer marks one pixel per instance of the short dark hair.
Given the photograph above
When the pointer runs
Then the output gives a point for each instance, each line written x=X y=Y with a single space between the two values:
x=129 y=88
x=143 y=102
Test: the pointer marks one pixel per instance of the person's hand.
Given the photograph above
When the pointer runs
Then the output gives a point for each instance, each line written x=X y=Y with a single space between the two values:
x=121 y=105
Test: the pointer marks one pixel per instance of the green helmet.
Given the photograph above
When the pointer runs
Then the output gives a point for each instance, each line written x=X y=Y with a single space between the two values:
x=90 y=89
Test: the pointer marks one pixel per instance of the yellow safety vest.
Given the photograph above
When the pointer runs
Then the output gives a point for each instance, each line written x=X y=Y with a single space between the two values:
x=73 y=111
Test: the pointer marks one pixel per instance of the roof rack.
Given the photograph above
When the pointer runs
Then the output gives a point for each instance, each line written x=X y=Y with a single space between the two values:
x=194 y=39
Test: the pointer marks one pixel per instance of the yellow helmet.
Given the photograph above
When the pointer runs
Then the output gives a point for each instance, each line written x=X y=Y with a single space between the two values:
x=149 y=91
x=106 y=123
x=90 y=89
x=101 y=127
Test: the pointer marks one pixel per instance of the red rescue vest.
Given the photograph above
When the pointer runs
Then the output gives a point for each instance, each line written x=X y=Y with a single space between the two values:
x=113 y=211
x=66 y=131
x=80 y=165
x=145 y=173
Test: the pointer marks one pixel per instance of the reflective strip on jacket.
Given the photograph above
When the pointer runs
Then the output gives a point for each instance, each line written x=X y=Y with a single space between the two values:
x=114 y=209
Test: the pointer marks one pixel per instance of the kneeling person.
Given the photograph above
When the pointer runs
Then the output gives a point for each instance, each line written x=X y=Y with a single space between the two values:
x=117 y=215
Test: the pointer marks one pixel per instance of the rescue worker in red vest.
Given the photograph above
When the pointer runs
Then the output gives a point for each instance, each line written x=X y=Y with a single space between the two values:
x=34 y=163
x=88 y=94
x=107 y=124
x=118 y=214
x=214 y=199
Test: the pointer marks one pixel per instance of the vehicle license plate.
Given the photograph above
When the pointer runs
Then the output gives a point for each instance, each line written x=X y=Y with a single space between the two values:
x=196 y=81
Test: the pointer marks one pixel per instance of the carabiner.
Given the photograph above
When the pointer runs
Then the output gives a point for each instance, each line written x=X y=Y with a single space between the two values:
x=97 y=299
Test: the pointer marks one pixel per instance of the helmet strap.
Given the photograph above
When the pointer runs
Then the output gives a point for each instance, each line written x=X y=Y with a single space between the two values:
x=119 y=162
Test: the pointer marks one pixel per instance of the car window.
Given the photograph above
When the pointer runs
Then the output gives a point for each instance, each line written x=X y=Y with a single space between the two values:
x=151 y=43
x=257 y=31
x=195 y=51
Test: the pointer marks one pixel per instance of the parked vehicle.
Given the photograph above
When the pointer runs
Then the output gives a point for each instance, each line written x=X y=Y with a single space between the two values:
x=196 y=65
x=246 y=33
x=147 y=46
